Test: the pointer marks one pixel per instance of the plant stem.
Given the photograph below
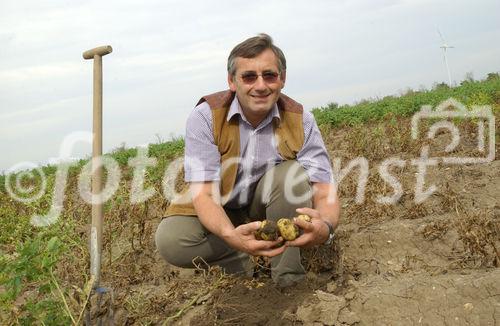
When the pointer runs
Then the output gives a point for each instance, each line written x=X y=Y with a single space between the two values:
x=62 y=297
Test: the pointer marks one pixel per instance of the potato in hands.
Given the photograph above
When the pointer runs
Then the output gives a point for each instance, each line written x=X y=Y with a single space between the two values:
x=269 y=230
x=288 y=230
x=304 y=217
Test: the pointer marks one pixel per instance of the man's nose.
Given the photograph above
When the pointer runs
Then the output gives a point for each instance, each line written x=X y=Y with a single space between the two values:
x=260 y=84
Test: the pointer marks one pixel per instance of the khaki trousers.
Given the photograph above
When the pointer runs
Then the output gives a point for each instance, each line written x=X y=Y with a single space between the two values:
x=282 y=189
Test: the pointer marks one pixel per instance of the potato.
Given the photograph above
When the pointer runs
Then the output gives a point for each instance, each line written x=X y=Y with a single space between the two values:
x=304 y=217
x=268 y=231
x=288 y=230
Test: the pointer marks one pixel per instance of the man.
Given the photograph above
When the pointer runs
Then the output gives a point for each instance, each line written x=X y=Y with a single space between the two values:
x=251 y=153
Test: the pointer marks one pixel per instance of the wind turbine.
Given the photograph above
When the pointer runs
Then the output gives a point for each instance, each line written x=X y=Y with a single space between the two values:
x=445 y=47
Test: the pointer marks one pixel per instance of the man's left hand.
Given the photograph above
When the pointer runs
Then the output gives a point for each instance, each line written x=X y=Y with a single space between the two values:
x=314 y=233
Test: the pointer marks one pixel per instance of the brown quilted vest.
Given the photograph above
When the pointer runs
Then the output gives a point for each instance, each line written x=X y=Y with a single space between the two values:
x=289 y=133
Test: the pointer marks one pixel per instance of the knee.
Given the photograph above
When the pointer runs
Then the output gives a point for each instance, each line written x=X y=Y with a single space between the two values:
x=170 y=244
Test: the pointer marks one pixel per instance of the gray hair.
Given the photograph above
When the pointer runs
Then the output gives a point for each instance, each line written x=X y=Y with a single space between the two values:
x=252 y=47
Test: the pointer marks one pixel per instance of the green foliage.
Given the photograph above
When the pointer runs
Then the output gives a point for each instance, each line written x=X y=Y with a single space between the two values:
x=168 y=150
x=2 y=182
x=123 y=155
x=165 y=153
x=480 y=98
x=26 y=275
x=493 y=76
x=32 y=261
x=470 y=93
x=28 y=255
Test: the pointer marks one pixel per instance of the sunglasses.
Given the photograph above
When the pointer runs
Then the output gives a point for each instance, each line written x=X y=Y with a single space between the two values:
x=251 y=77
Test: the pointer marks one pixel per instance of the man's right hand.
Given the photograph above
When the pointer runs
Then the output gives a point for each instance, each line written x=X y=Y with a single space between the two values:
x=213 y=217
x=243 y=239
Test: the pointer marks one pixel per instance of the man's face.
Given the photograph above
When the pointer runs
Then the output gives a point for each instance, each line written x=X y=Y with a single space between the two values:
x=257 y=84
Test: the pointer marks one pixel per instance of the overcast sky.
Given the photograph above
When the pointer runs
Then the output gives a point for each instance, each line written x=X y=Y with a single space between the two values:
x=167 y=54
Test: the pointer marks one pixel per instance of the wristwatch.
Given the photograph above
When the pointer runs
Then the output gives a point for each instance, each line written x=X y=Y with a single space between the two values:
x=331 y=234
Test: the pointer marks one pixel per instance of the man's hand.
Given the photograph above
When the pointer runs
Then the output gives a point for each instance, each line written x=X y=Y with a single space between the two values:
x=243 y=239
x=314 y=233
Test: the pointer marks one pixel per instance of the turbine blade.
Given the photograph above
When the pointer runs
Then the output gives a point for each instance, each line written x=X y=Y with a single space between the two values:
x=441 y=36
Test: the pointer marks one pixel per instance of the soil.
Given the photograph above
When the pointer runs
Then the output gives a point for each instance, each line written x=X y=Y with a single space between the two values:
x=434 y=263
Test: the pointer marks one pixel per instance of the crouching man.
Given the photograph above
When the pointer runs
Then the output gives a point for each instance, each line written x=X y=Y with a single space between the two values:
x=251 y=153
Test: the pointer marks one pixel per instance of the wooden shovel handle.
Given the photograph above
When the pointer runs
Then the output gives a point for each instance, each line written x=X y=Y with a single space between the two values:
x=100 y=51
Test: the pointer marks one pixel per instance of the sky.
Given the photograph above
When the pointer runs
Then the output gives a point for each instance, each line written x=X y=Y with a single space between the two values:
x=167 y=54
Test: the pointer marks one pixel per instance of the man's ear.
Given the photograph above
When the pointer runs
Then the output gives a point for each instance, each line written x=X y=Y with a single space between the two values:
x=283 y=78
x=230 y=82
